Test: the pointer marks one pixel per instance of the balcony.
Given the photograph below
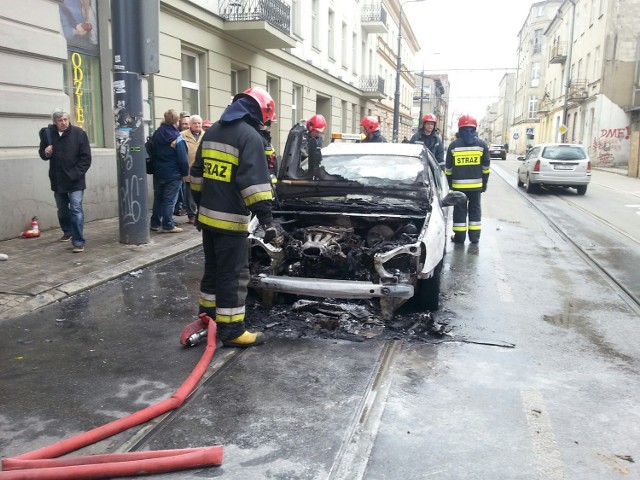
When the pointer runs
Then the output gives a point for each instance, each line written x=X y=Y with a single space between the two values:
x=374 y=18
x=558 y=52
x=372 y=87
x=577 y=90
x=544 y=106
x=261 y=23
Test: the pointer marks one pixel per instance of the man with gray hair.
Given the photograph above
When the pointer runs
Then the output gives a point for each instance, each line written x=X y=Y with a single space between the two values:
x=67 y=149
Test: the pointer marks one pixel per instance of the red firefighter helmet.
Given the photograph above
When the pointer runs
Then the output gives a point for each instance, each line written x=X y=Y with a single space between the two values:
x=429 y=117
x=370 y=124
x=317 y=122
x=266 y=103
x=467 y=121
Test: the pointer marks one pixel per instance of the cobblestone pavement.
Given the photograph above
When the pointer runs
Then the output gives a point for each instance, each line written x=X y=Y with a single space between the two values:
x=43 y=270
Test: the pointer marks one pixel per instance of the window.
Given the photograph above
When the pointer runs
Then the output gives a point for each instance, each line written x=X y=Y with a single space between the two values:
x=603 y=6
x=354 y=54
x=331 y=35
x=587 y=68
x=82 y=70
x=190 y=82
x=537 y=41
x=296 y=28
x=535 y=74
x=592 y=13
x=296 y=104
x=315 y=24
x=533 y=106
x=596 y=65
x=345 y=45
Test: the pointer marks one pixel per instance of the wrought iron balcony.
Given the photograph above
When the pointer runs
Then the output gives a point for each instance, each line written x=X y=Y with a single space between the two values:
x=558 y=52
x=372 y=87
x=577 y=90
x=262 y=23
x=374 y=18
x=545 y=106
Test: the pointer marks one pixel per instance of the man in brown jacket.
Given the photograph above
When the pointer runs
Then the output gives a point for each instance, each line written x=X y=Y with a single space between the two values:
x=193 y=137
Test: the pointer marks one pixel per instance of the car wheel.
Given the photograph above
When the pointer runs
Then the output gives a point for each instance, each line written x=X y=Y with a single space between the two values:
x=531 y=187
x=428 y=294
x=582 y=189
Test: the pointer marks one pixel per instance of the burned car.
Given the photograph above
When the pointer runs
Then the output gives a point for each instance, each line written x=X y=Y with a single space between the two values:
x=370 y=223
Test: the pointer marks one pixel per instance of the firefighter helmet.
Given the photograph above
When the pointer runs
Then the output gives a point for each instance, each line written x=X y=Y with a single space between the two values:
x=370 y=124
x=429 y=117
x=467 y=121
x=266 y=103
x=317 y=122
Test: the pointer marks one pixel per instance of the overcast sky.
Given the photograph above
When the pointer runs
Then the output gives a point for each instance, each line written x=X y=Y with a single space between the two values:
x=469 y=34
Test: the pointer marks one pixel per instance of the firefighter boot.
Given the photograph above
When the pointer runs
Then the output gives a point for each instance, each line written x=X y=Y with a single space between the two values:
x=247 y=339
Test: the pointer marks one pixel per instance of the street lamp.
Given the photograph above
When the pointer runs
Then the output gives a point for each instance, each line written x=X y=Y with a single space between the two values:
x=396 y=97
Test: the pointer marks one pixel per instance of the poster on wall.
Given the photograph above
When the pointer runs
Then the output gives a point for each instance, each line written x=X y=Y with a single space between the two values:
x=80 y=25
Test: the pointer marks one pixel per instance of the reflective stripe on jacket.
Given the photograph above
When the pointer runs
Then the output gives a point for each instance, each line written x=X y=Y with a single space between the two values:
x=230 y=179
x=467 y=167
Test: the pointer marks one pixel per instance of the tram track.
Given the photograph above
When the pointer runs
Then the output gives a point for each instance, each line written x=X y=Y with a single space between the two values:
x=625 y=291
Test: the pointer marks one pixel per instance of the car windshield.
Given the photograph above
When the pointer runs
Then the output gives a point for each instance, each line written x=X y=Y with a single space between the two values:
x=376 y=170
x=563 y=153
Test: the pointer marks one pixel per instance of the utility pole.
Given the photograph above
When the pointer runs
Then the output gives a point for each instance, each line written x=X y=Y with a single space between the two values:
x=135 y=31
x=567 y=67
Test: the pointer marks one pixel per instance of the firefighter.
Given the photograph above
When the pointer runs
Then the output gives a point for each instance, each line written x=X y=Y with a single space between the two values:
x=467 y=169
x=269 y=151
x=429 y=137
x=371 y=127
x=315 y=130
x=230 y=181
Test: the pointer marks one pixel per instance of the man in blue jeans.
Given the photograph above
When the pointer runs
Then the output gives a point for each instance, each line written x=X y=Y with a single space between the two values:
x=171 y=164
x=67 y=149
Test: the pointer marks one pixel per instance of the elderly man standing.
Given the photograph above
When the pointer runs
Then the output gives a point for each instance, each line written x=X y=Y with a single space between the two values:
x=67 y=149
x=192 y=136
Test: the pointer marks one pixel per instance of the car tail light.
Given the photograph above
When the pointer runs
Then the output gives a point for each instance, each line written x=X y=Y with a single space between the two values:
x=536 y=167
x=588 y=167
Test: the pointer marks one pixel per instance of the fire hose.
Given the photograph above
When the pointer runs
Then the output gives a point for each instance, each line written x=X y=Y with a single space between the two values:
x=41 y=464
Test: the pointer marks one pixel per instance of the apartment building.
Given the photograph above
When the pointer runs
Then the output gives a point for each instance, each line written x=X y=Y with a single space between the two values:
x=531 y=74
x=592 y=80
x=504 y=109
x=331 y=57
x=431 y=95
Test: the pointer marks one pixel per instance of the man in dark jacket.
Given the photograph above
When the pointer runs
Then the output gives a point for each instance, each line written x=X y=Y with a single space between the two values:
x=67 y=149
x=467 y=169
x=428 y=136
x=171 y=164
x=230 y=182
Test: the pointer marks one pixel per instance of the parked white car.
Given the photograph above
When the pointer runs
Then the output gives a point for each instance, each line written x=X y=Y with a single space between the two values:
x=371 y=223
x=555 y=165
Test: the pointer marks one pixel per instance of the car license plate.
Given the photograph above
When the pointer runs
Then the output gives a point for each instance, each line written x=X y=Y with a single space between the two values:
x=564 y=167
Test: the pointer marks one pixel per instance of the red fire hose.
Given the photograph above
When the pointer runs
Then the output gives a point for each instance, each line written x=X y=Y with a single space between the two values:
x=38 y=464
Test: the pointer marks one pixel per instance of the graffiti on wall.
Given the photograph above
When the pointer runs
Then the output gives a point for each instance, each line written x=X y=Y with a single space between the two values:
x=611 y=142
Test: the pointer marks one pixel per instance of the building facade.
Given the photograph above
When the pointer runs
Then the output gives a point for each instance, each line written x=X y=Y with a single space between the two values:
x=313 y=56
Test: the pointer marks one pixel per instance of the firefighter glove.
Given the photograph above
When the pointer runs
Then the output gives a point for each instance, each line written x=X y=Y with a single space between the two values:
x=484 y=187
x=273 y=235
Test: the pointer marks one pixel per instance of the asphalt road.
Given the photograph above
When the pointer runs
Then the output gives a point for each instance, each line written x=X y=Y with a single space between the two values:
x=537 y=380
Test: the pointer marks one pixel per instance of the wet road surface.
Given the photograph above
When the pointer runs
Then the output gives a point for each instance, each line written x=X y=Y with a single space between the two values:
x=560 y=404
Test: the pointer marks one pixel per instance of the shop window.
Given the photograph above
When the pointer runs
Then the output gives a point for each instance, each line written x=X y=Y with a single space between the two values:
x=79 y=22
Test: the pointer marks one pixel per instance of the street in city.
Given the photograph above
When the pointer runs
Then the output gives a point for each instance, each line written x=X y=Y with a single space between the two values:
x=537 y=377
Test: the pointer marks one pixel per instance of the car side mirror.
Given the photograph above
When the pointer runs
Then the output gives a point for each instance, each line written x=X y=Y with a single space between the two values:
x=521 y=158
x=454 y=198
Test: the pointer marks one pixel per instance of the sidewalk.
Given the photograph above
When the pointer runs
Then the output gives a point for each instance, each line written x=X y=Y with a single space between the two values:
x=40 y=271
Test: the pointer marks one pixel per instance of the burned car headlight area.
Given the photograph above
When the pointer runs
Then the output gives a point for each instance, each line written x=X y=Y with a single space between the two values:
x=340 y=256
x=362 y=221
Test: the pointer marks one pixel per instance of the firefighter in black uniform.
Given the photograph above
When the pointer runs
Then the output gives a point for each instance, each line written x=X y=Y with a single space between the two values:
x=467 y=168
x=371 y=127
x=230 y=181
x=269 y=151
x=315 y=130
x=428 y=136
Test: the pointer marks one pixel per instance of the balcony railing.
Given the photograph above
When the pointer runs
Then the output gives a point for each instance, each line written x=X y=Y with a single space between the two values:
x=372 y=85
x=374 y=18
x=544 y=106
x=275 y=12
x=558 y=52
x=577 y=90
